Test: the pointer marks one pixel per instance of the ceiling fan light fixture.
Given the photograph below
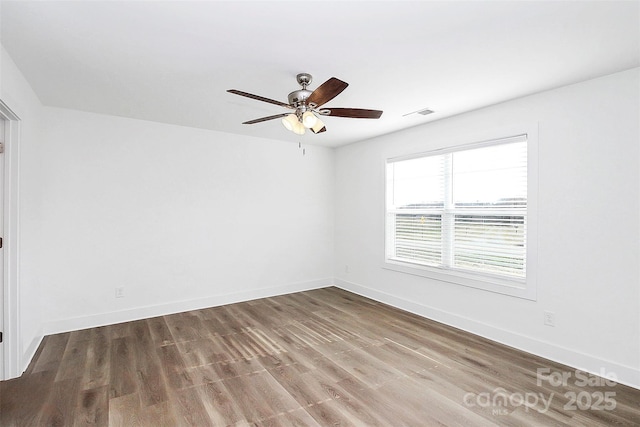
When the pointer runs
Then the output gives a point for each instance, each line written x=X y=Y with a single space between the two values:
x=309 y=119
x=290 y=122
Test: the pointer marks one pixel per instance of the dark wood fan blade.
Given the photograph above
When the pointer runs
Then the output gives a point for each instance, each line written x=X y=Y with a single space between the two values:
x=264 y=119
x=356 y=113
x=259 y=98
x=327 y=91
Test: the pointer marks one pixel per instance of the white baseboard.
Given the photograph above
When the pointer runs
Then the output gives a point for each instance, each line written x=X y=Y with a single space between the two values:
x=102 y=319
x=624 y=374
x=26 y=357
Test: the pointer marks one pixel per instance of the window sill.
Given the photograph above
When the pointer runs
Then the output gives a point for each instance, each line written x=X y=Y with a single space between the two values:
x=505 y=286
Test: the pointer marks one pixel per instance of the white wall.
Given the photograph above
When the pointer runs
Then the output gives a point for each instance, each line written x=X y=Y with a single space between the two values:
x=179 y=217
x=16 y=93
x=588 y=253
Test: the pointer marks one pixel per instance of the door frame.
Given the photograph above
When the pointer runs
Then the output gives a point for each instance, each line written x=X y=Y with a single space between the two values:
x=11 y=346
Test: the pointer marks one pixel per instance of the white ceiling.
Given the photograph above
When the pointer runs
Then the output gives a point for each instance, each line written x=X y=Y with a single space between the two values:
x=173 y=61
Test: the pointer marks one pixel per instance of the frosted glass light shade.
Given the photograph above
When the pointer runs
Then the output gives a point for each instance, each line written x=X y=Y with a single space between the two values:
x=309 y=119
x=317 y=126
x=298 y=128
x=290 y=122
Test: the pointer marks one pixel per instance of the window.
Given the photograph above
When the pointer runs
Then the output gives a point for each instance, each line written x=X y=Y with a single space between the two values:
x=461 y=214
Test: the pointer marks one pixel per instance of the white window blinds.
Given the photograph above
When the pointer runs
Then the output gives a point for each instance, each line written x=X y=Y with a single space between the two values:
x=461 y=210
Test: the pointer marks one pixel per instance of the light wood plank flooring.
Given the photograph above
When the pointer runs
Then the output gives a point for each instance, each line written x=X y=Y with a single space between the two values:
x=323 y=357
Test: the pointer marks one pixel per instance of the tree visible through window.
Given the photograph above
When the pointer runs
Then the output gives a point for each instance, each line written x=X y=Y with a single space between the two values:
x=461 y=210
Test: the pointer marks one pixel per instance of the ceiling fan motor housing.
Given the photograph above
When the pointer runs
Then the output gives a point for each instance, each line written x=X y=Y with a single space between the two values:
x=299 y=97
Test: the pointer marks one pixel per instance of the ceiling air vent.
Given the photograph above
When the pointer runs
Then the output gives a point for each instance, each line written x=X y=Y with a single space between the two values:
x=422 y=112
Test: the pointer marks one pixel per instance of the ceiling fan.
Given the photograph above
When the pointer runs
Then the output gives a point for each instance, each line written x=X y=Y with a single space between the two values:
x=306 y=106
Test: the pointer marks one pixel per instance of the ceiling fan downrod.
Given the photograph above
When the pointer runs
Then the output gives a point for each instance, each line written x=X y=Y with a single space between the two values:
x=298 y=98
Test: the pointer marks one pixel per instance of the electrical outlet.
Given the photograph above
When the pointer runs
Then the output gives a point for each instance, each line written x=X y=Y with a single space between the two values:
x=346 y=268
x=549 y=318
x=120 y=292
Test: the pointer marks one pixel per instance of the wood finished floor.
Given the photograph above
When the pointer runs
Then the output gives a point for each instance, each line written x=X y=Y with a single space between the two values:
x=323 y=357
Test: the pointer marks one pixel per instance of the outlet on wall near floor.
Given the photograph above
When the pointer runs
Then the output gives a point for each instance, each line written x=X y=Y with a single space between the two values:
x=120 y=292
x=549 y=318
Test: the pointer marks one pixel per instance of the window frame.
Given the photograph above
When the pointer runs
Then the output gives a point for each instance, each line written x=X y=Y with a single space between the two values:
x=513 y=286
